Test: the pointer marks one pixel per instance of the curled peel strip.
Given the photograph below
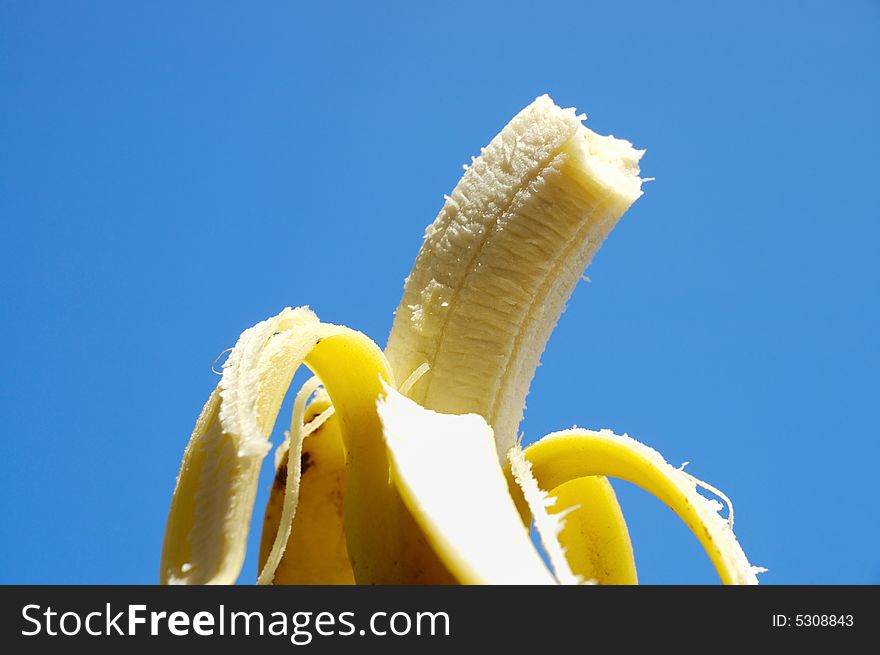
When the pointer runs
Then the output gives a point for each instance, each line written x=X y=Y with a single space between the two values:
x=571 y=454
x=207 y=526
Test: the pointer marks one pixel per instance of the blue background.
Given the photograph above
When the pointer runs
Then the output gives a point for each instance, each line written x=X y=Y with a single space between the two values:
x=170 y=175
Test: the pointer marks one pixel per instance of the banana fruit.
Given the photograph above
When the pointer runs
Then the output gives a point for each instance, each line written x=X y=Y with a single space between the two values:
x=424 y=482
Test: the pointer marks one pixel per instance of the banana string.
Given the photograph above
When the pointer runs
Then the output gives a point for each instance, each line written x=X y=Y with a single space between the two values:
x=294 y=472
x=710 y=488
x=217 y=359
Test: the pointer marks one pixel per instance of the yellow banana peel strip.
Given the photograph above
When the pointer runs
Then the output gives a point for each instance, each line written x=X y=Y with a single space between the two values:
x=206 y=532
x=580 y=525
x=207 y=527
x=594 y=535
x=568 y=455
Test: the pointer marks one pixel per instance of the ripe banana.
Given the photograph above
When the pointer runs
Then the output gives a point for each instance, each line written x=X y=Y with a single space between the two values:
x=434 y=486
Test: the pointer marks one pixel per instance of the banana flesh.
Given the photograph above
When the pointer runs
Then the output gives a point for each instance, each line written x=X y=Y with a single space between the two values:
x=501 y=259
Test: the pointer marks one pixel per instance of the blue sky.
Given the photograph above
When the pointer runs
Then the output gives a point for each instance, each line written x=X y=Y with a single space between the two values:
x=170 y=175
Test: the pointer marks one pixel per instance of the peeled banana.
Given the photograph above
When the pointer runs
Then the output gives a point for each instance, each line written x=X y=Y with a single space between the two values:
x=407 y=468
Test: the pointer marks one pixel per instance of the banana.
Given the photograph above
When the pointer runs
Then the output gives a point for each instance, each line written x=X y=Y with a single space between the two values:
x=434 y=487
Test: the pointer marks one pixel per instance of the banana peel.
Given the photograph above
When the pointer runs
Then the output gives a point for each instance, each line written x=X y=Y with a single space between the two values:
x=424 y=482
x=315 y=552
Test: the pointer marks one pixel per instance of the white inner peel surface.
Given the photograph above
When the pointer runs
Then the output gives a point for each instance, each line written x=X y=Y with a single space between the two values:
x=448 y=475
x=208 y=523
